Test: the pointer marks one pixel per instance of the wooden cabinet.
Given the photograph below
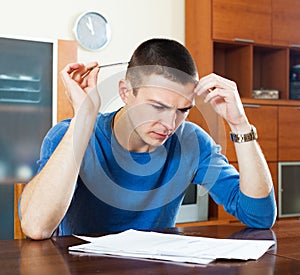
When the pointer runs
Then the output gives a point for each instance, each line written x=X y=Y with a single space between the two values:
x=234 y=61
x=264 y=118
x=260 y=21
x=268 y=46
x=286 y=22
x=253 y=67
x=242 y=20
x=273 y=166
x=289 y=133
x=271 y=69
x=198 y=25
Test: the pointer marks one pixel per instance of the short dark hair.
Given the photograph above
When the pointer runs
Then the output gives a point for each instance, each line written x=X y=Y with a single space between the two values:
x=164 y=57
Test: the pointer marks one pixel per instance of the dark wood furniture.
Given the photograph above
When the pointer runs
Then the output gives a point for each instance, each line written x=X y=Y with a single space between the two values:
x=52 y=257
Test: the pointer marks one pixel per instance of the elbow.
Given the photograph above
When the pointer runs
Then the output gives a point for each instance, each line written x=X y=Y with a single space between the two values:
x=34 y=231
x=271 y=221
x=32 y=225
x=269 y=224
x=260 y=222
x=265 y=224
x=260 y=213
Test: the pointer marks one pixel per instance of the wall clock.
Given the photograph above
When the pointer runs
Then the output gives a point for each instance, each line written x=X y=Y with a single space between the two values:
x=92 y=31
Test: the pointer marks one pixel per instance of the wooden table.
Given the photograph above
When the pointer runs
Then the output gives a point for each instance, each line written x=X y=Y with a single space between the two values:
x=52 y=256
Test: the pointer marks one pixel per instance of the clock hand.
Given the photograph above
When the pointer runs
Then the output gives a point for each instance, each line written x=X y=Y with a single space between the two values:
x=90 y=26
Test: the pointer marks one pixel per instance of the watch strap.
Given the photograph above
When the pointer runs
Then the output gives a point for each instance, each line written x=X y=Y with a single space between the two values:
x=240 y=138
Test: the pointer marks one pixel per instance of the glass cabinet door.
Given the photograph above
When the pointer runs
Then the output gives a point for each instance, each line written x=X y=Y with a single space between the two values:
x=26 y=85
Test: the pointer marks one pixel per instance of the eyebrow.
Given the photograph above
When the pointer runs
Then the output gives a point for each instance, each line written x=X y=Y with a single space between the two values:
x=186 y=108
x=170 y=107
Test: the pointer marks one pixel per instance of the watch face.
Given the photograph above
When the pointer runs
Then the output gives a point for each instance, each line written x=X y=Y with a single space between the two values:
x=92 y=31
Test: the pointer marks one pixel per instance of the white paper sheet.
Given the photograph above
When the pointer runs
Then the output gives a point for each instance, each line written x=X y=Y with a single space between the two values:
x=172 y=247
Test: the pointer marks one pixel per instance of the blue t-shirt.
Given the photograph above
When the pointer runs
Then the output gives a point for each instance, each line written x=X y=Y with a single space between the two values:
x=117 y=189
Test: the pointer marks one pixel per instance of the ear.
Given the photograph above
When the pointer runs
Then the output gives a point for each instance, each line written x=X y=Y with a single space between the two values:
x=124 y=90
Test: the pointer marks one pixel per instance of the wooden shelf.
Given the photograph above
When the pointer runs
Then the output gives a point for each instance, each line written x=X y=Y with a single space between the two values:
x=254 y=66
x=271 y=69
x=276 y=102
x=264 y=53
x=234 y=61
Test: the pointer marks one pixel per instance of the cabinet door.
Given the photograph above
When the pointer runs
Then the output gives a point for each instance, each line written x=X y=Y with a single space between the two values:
x=264 y=118
x=289 y=133
x=286 y=22
x=67 y=53
x=242 y=20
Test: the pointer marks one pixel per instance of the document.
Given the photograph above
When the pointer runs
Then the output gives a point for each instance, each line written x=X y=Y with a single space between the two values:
x=172 y=247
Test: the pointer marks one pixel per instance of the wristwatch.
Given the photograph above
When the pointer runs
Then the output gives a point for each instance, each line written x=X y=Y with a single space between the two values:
x=240 y=138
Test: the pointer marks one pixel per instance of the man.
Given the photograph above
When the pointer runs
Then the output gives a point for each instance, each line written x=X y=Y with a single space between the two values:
x=130 y=168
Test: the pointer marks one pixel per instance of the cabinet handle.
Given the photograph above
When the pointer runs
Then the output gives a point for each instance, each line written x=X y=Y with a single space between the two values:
x=251 y=105
x=243 y=40
x=295 y=46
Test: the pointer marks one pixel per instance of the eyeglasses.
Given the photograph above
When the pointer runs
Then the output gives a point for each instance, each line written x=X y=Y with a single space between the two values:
x=113 y=64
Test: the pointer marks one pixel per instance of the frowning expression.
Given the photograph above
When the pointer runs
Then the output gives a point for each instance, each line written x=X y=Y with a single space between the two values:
x=157 y=109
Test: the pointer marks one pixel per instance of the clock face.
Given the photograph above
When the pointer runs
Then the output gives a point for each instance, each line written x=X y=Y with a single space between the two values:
x=92 y=31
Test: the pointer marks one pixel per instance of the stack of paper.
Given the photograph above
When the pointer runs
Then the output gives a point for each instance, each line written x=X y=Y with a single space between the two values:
x=172 y=247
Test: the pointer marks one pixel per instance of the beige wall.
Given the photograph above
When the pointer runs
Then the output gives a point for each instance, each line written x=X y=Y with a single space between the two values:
x=132 y=21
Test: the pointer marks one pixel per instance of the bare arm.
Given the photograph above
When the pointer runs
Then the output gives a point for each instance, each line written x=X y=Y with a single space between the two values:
x=222 y=94
x=47 y=196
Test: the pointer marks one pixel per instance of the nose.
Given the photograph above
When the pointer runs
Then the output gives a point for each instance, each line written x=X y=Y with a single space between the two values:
x=168 y=120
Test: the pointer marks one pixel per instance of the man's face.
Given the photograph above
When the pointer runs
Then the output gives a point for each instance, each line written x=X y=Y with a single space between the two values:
x=157 y=110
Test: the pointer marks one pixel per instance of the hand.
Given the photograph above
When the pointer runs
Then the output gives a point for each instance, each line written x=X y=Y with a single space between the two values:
x=80 y=82
x=223 y=95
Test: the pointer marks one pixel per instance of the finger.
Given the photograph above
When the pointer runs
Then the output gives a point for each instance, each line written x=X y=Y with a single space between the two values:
x=213 y=81
x=68 y=72
x=77 y=72
x=89 y=67
x=72 y=67
x=84 y=83
x=217 y=93
x=90 y=79
x=205 y=84
x=80 y=74
x=93 y=76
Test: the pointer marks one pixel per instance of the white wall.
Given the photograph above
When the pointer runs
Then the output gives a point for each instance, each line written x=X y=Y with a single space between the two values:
x=132 y=21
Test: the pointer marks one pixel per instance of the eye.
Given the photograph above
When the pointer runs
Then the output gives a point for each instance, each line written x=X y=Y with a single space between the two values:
x=158 y=107
x=184 y=110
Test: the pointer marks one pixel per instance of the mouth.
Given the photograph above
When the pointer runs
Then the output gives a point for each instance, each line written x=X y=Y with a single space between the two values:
x=161 y=136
